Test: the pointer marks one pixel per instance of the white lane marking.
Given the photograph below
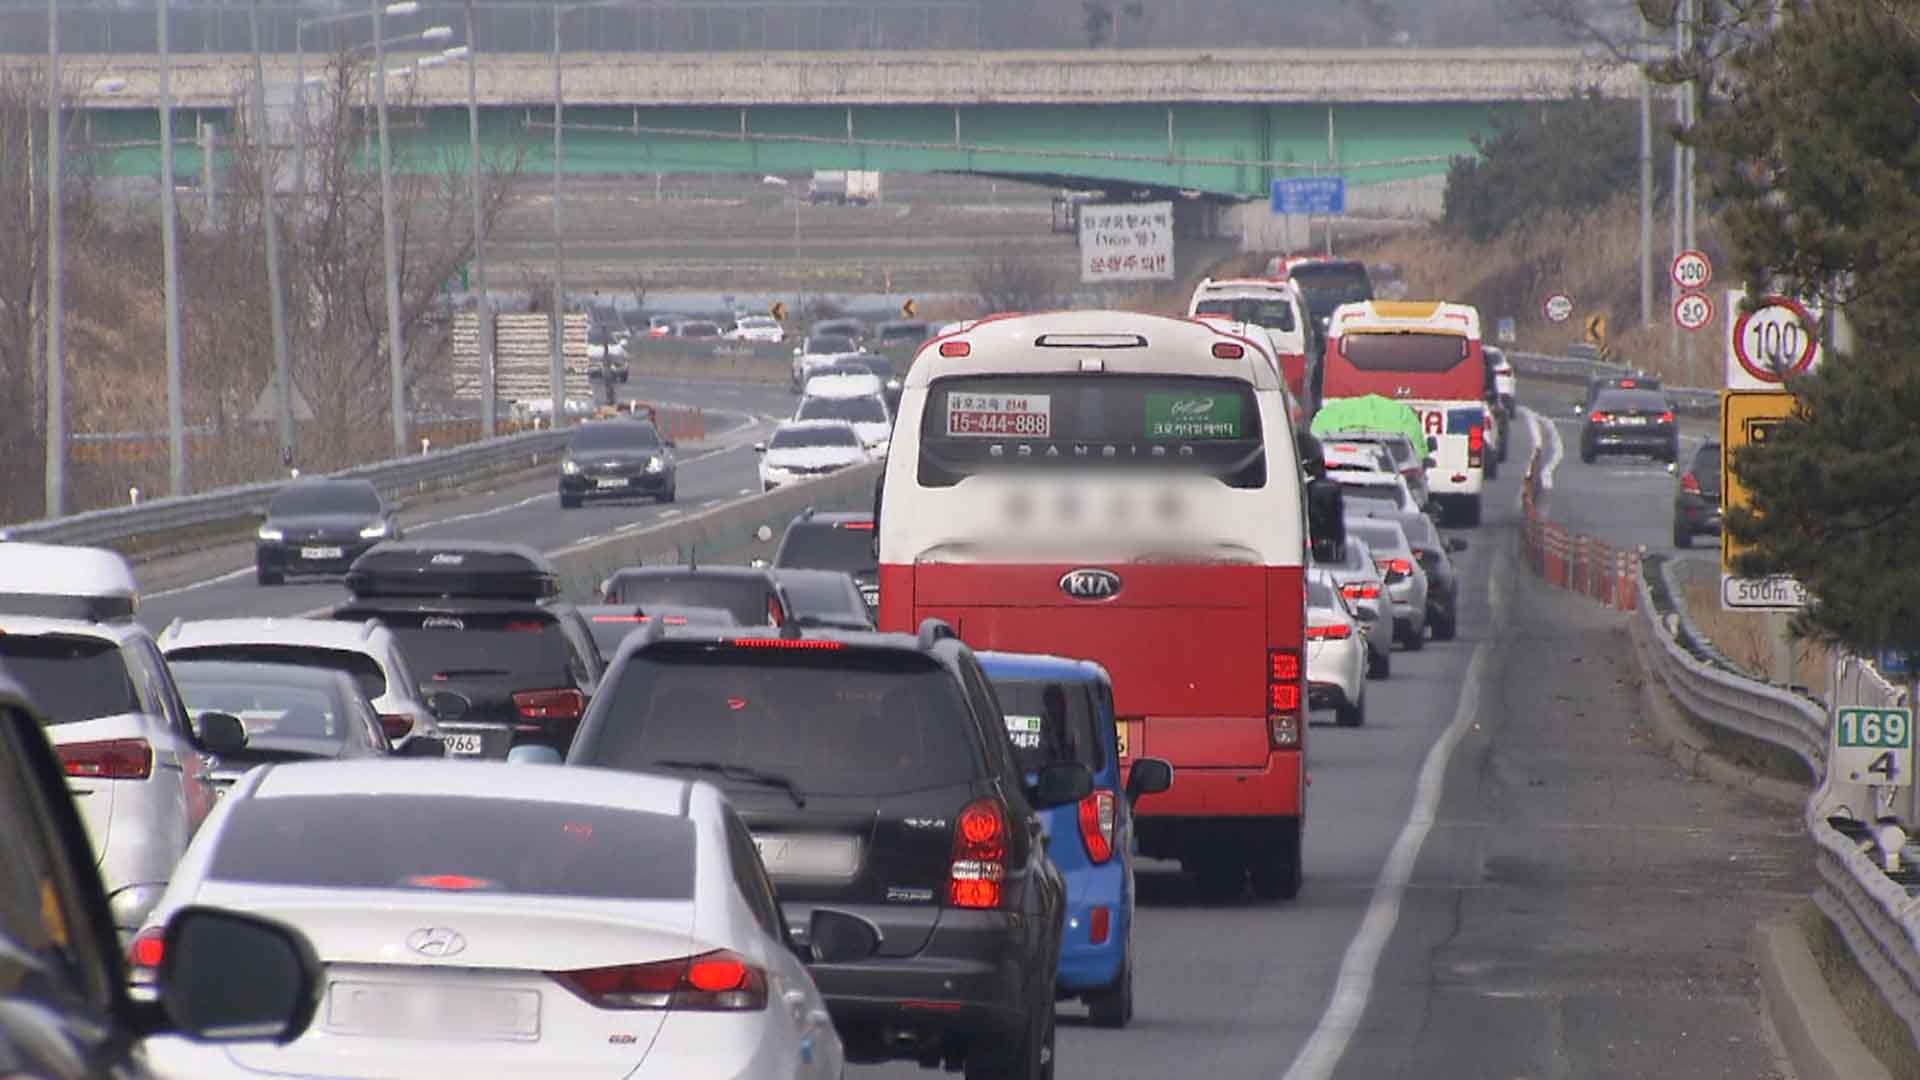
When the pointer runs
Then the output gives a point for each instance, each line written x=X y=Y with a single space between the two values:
x=631 y=525
x=589 y=538
x=528 y=501
x=745 y=491
x=231 y=575
x=664 y=514
x=1554 y=453
x=1348 y=1004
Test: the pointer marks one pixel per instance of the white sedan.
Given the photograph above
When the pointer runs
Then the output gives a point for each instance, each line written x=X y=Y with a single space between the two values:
x=804 y=449
x=567 y=922
x=1336 y=653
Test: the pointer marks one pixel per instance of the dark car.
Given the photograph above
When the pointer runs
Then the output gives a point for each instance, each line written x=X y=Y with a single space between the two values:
x=320 y=526
x=1696 y=497
x=611 y=623
x=1435 y=555
x=65 y=1013
x=901 y=333
x=484 y=627
x=1630 y=422
x=614 y=459
x=876 y=775
x=837 y=540
x=751 y=594
x=288 y=712
x=843 y=328
x=826 y=598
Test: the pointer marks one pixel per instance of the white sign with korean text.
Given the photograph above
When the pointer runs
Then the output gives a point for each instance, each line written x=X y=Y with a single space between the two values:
x=1126 y=242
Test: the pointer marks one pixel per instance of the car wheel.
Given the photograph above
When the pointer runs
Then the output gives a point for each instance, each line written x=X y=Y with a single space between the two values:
x=1354 y=715
x=569 y=502
x=1587 y=454
x=1278 y=873
x=1416 y=638
x=1380 y=664
x=1029 y=1059
x=267 y=577
x=1442 y=622
x=1470 y=511
x=667 y=496
x=1682 y=536
x=1112 y=1006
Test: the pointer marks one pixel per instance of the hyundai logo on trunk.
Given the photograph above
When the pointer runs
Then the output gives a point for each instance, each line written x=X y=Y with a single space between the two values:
x=1090 y=584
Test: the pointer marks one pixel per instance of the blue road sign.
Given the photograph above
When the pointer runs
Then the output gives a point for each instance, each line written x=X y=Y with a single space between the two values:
x=1310 y=195
x=1893 y=661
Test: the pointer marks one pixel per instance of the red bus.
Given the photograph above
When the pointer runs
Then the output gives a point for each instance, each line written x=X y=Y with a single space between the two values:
x=1124 y=488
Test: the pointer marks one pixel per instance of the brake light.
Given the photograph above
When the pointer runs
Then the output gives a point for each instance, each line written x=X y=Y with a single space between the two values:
x=1390 y=567
x=1626 y=384
x=396 y=725
x=526 y=626
x=979 y=856
x=148 y=947
x=785 y=643
x=1097 y=821
x=955 y=348
x=1360 y=590
x=451 y=882
x=108 y=759
x=1689 y=483
x=1476 y=445
x=1667 y=417
x=550 y=704
x=620 y=618
x=1599 y=417
x=1283 y=680
x=1228 y=350
x=866 y=526
x=1333 y=632
x=719 y=981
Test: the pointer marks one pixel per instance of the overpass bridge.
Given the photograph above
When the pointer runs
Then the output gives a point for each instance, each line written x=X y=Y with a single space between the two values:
x=1222 y=122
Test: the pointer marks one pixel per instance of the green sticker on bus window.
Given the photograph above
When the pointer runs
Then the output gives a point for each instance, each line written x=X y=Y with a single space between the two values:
x=1193 y=416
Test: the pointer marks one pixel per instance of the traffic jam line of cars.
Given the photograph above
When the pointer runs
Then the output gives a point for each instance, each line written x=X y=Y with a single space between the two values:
x=715 y=822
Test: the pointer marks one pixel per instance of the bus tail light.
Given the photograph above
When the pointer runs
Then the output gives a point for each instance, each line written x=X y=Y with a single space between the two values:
x=979 y=867
x=1283 y=689
x=1097 y=822
x=1476 y=446
x=955 y=348
x=1228 y=350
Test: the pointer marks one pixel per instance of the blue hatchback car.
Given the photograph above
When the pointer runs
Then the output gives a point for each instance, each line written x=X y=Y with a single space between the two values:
x=1059 y=709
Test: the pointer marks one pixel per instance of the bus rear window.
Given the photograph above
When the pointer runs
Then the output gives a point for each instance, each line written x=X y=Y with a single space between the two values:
x=980 y=423
x=1431 y=366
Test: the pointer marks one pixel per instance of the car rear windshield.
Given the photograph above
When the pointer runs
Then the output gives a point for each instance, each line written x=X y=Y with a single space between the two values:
x=1050 y=721
x=1706 y=462
x=824 y=546
x=828 y=344
x=793 y=438
x=70 y=678
x=324 y=498
x=827 y=596
x=1272 y=313
x=748 y=599
x=904 y=332
x=1388 y=494
x=452 y=645
x=854 y=410
x=466 y=843
x=1328 y=286
x=618 y=435
x=1631 y=401
x=836 y=720
x=303 y=719
x=364 y=669
x=1381 y=538
x=978 y=423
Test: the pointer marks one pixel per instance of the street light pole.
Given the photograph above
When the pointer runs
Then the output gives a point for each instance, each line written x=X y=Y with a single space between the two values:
x=558 y=371
x=1646 y=187
x=170 y=272
x=269 y=196
x=396 y=348
x=56 y=479
x=483 y=309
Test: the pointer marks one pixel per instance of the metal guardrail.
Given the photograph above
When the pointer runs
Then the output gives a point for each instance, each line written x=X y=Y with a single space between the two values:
x=1692 y=400
x=394 y=478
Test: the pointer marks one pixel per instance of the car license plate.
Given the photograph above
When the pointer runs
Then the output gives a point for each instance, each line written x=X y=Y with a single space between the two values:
x=1633 y=421
x=606 y=482
x=320 y=552
x=870 y=594
x=377 y=1008
x=808 y=855
x=465 y=744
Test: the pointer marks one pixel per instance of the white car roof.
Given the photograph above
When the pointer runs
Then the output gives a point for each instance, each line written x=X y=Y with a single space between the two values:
x=1061 y=341
x=318 y=633
x=572 y=784
x=811 y=425
x=843 y=384
x=61 y=570
x=34 y=625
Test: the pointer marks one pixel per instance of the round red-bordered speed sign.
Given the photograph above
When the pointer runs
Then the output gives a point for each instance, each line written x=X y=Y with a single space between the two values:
x=1779 y=330
x=1557 y=308
x=1692 y=311
x=1691 y=270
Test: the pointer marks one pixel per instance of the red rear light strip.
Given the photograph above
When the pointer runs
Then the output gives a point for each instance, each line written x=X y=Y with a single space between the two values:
x=787 y=643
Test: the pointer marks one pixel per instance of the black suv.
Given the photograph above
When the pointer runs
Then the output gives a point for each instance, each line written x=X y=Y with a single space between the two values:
x=751 y=594
x=1696 y=497
x=876 y=775
x=485 y=627
x=840 y=540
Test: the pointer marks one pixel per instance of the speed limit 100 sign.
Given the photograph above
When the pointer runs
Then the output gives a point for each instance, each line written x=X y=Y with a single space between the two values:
x=1692 y=311
x=1778 y=338
x=1691 y=270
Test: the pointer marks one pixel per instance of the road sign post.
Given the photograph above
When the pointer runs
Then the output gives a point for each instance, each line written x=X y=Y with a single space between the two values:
x=1749 y=418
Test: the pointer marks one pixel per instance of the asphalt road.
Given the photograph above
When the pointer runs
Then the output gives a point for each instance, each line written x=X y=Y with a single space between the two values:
x=1503 y=878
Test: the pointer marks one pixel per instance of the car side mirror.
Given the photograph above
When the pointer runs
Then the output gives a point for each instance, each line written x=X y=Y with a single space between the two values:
x=759 y=448
x=1671 y=468
x=759 y=564
x=1313 y=457
x=447 y=706
x=1433 y=443
x=672 y=445
x=1059 y=783
x=534 y=754
x=1148 y=776
x=226 y=976
x=423 y=746
x=221 y=733
x=1326 y=520
x=838 y=937
x=1456 y=544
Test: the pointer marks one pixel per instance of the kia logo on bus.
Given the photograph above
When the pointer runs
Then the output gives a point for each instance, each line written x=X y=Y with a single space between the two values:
x=1090 y=584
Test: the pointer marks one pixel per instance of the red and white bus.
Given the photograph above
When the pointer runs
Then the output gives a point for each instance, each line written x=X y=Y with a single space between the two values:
x=1425 y=353
x=1124 y=488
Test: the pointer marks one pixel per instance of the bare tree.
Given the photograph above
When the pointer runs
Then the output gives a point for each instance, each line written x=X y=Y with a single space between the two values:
x=1015 y=283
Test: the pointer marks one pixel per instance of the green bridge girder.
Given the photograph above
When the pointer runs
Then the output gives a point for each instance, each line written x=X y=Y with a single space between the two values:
x=1228 y=150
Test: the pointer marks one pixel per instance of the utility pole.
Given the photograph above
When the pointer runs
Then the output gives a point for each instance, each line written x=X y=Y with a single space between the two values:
x=558 y=321
x=269 y=197
x=1646 y=186
x=170 y=272
x=1679 y=182
x=396 y=346
x=56 y=480
x=483 y=308
x=1691 y=97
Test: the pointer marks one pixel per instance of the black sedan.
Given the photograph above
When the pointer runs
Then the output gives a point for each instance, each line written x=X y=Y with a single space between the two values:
x=1630 y=422
x=616 y=459
x=320 y=526
x=1696 y=497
